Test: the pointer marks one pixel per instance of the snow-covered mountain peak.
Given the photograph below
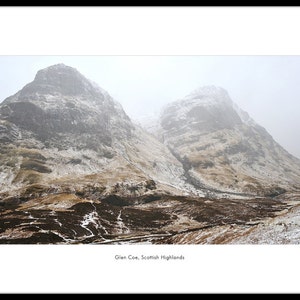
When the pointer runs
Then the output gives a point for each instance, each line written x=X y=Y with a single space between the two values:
x=210 y=98
x=46 y=75
x=60 y=101
x=62 y=125
x=208 y=95
x=207 y=108
x=220 y=145
x=61 y=86
x=61 y=74
x=61 y=79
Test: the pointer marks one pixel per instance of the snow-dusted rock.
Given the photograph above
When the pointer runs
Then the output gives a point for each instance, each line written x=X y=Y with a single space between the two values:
x=221 y=147
x=64 y=130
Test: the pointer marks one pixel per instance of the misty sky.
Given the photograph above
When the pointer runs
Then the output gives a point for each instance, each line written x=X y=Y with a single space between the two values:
x=267 y=87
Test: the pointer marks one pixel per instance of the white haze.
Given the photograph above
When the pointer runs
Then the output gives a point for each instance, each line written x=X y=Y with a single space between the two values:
x=267 y=87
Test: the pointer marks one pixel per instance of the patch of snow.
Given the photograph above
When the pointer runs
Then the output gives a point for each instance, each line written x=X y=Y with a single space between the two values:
x=94 y=219
x=121 y=225
x=283 y=229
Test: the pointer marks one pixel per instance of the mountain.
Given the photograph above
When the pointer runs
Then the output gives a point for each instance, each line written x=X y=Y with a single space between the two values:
x=75 y=169
x=222 y=148
x=62 y=132
x=62 y=109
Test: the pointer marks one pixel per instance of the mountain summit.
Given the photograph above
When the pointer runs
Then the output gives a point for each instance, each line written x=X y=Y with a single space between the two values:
x=62 y=125
x=222 y=148
x=62 y=108
x=59 y=78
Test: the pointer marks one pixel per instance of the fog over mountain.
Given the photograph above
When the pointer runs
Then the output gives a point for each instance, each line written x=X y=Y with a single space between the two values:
x=75 y=168
x=266 y=87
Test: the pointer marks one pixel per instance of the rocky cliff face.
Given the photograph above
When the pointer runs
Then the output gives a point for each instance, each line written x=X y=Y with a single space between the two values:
x=63 y=132
x=222 y=148
x=62 y=108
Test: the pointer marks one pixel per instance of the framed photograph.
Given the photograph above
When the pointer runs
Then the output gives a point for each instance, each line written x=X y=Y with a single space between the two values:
x=147 y=157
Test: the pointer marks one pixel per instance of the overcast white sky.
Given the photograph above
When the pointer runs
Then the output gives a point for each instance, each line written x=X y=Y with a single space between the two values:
x=267 y=87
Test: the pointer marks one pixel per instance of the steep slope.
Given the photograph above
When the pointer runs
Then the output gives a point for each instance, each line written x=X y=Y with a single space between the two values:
x=61 y=108
x=62 y=132
x=75 y=169
x=222 y=148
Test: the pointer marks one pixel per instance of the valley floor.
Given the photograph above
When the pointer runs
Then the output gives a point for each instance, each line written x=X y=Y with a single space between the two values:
x=68 y=219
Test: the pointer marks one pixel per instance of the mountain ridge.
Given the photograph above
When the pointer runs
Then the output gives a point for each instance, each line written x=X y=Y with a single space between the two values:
x=75 y=169
x=211 y=134
x=55 y=131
